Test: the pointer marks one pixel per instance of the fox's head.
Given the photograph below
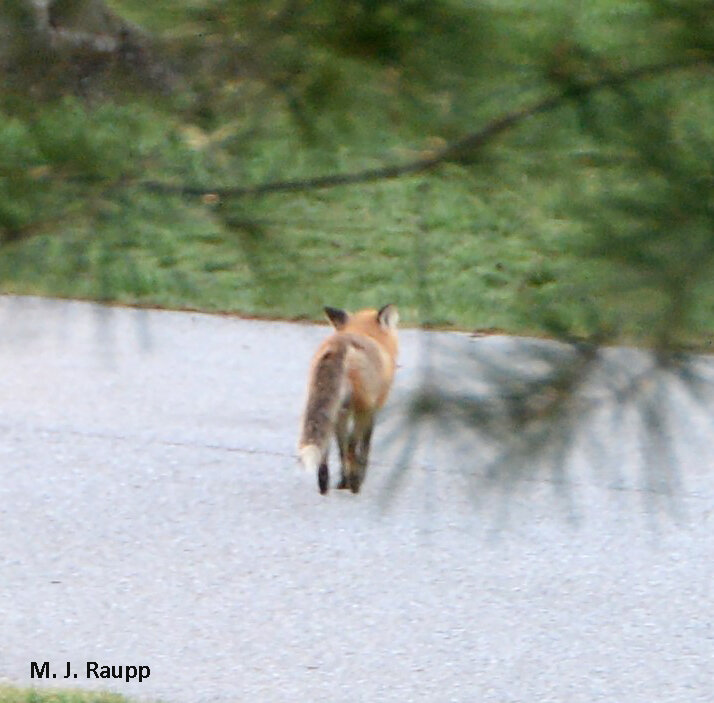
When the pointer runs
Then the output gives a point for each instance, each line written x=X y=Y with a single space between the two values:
x=380 y=324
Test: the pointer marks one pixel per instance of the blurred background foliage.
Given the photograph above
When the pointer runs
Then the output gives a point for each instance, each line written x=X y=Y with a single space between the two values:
x=591 y=218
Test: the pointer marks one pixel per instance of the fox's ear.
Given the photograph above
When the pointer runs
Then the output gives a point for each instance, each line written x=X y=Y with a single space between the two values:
x=337 y=317
x=388 y=316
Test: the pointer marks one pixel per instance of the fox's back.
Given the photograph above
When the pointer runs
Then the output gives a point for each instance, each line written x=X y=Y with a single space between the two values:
x=350 y=378
x=370 y=358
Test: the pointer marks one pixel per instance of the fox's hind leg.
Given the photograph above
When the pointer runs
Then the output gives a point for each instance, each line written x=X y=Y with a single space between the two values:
x=342 y=433
x=363 y=437
x=358 y=452
x=353 y=443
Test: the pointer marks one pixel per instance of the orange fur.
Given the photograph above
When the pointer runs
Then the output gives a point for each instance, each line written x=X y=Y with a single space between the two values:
x=350 y=378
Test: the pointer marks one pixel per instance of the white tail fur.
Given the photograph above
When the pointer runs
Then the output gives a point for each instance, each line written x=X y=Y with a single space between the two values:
x=310 y=456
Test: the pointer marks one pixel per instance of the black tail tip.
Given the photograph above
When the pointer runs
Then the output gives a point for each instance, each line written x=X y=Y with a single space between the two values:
x=323 y=478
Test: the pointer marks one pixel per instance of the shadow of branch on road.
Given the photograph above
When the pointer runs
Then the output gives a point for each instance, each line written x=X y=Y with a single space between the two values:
x=506 y=413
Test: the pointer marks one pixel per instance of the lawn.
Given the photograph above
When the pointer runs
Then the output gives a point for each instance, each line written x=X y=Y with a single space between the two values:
x=501 y=243
x=11 y=694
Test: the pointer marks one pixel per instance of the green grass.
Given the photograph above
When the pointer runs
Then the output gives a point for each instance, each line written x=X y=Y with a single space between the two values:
x=478 y=251
x=503 y=244
x=11 y=694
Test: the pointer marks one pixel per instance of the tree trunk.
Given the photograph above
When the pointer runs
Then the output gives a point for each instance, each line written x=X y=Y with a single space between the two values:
x=77 y=41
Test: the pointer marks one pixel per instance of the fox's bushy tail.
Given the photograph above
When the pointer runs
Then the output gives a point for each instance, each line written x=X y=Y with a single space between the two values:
x=326 y=393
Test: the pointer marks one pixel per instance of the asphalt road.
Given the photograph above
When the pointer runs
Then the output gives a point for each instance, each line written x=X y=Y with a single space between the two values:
x=151 y=514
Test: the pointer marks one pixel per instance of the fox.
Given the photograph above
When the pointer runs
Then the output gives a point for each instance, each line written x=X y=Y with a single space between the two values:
x=350 y=378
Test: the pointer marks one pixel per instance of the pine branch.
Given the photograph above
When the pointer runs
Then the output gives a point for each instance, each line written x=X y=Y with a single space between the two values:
x=453 y=152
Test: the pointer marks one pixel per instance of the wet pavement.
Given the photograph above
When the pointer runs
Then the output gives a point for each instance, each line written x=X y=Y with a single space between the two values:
x=152 y=514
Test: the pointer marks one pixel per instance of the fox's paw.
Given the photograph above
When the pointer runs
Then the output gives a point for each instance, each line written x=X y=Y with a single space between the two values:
x=354 y=483
x=323 y=478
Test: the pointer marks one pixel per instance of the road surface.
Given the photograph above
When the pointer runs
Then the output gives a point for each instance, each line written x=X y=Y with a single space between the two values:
x=152 y=514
